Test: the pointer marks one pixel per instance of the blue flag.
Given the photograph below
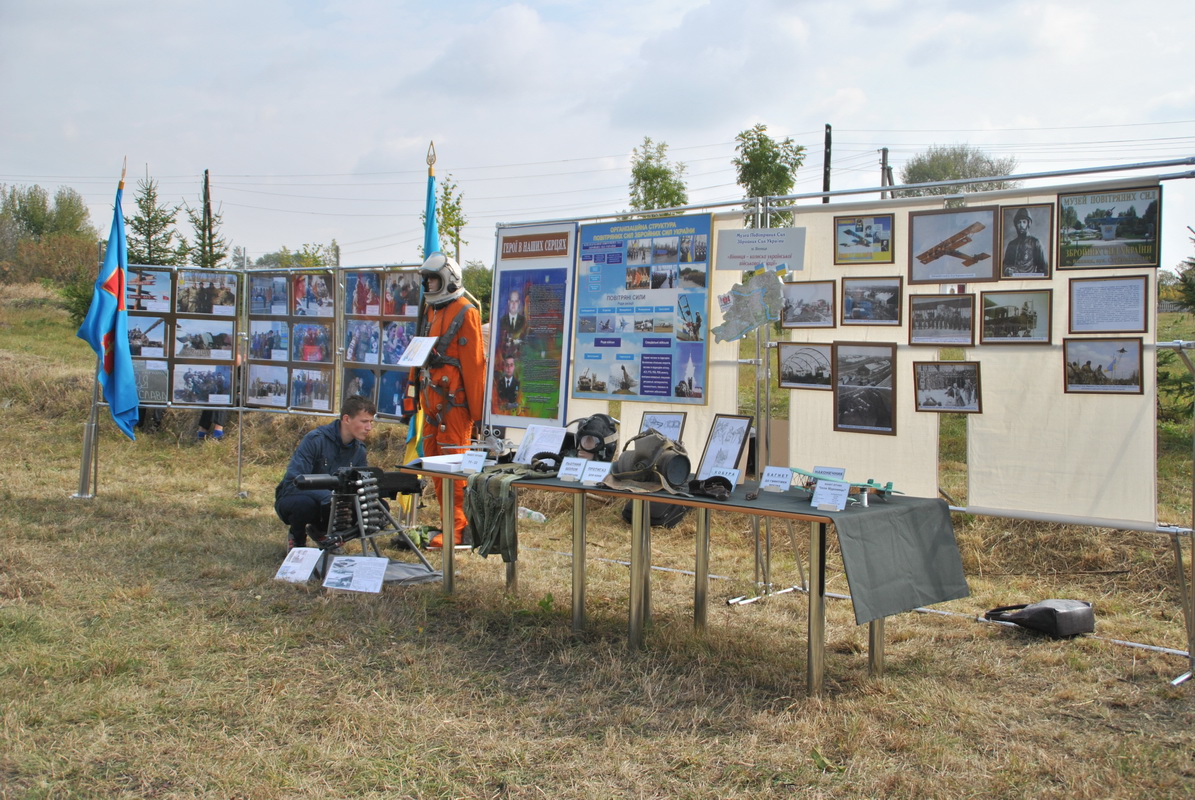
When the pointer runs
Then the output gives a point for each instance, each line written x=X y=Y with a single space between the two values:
x=431 y=244
x=106 y=328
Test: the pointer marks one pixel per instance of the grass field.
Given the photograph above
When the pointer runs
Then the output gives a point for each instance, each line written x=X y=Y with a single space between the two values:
x=145 y=651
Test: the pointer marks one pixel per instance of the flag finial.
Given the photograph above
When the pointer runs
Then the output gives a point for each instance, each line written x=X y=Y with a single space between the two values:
x=431 y=154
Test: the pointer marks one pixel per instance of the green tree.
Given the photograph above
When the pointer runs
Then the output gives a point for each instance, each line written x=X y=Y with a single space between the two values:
x=948 y=162
x=152 y=238
x=450 y=217
x=53 y=242
x=479 y=282
x=767 y=168
x=655 y=181
x=209 y=249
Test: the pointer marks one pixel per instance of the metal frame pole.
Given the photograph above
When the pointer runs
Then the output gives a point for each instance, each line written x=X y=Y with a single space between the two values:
x=578 y=562
x=89 y=460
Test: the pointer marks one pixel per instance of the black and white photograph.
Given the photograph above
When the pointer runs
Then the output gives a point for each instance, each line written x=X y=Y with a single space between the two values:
x=725 y=444
x=1109 y=305
x=267 y=385
x=1107 y=229
x=363 y=294
x=203 y=384
x=207 y=292
x=204 y=338
x=269 y=340
x=802 y=365
x=947 y=386
x=871 y=301
x=312 y=296
x=942 y=319
x=312 y=343
x=1026 y=246
x=362 y=341
x=808 y=304
x=153 y=381
x=148 y=290
x=865 y=387
x=953 y=245
x=863 y=240
x=267 y=295
x=147 y=336
x=671 y=424
x=359 y=381
x=311 y=388
x=401 y=298
x=1103 y=366
x=1015 y=317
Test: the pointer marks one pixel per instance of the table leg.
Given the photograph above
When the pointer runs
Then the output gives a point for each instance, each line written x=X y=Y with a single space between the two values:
x=578 y=561
x=875 y=648
x=635 y=629
x=448 y=535
x=701 y=577
x=815 y=663
x=512 y=577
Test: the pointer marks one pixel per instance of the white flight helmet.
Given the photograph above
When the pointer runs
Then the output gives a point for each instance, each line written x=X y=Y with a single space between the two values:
x=450 y=286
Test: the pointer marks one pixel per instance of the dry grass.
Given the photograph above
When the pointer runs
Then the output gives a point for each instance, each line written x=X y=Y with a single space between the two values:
x=145 y=651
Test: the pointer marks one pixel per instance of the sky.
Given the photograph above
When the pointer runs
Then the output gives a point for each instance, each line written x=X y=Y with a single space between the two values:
x=314 y=117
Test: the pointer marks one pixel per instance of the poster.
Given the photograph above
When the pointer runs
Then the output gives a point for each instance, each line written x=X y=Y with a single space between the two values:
x=1116 y=228
x=643 y=310
x=529 y=323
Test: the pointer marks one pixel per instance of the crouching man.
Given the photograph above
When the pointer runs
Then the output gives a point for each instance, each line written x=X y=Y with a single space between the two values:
x=323 y=450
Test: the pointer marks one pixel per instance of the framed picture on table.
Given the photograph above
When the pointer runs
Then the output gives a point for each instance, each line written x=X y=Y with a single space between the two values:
x=724 y=447
x=671 y=424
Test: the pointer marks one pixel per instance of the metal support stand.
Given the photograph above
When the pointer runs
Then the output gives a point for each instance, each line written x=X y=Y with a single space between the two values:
x=814 y=669
x=638 y=614
x=89 y=461
x=701 y=576
x=578 y=562
x=447 y=535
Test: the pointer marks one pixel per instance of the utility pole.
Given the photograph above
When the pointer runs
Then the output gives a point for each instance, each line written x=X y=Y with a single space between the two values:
x=826 y=166
x=884 y=179
x=206 y=243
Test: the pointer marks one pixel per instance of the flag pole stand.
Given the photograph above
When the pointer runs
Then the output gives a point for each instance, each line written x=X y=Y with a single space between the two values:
x=89 y=461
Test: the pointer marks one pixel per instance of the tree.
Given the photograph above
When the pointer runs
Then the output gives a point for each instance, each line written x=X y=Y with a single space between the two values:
x=950 y=162
x=656 y=182
x=450 y=217
x=767 y=168
x=39 y=240
x=150 y=232
x=479 y=280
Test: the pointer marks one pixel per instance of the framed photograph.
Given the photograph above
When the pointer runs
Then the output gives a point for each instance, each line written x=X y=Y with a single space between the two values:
x=1109 y=305
x=865 y=387
x=1016 y=317
x=269 y=340
x=148 y=290
x=871 y=301
x=311 y=388
x=312 y=342
x=362 y=341
x=267 y=295
x=942 y=320
x=203 y=384
x=392 y=389
x=401 y=298
x=312 y=296
x=395 y=338
x=802 y=365
x=863 y=240
x=948 y=386
x=211 y=339
x=671 y=424
x=1103 y=366
x=1114 y=228
x=808 y=304
x=267 y=385
x=363 y=294
x=153 y=381
x=953 y=245
x=359 y=381
x=1025 y=241
x=148 y=336
x=724 y=447
x=207 y=292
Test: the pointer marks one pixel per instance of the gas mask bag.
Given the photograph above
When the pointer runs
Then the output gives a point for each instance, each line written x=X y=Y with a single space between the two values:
x=651 y=462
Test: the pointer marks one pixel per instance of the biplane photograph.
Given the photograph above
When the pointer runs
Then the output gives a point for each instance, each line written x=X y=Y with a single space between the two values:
x=863 y=240
x=1015 y=317
x=952 y=245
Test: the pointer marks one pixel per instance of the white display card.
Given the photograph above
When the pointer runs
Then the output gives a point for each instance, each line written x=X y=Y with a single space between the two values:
x=595 y=472
x=298 y=565
x=830 y=495
x=571 y=468
x=776 y=479
x=356 y=574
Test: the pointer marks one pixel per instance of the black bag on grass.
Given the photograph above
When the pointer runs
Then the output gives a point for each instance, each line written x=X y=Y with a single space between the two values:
x=662 y=515
x=1058 y=618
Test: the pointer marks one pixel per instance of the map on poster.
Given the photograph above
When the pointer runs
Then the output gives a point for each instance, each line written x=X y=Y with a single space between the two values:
x=643 y=310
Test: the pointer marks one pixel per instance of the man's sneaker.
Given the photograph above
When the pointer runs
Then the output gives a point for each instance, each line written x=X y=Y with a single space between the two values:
x=217 y=435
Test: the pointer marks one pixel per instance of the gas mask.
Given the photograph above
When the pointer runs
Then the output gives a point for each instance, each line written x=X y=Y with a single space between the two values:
x=651 y=462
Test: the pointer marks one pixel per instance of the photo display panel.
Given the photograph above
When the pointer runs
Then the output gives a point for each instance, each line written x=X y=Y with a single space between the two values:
x=643 y=310
x=393 y=324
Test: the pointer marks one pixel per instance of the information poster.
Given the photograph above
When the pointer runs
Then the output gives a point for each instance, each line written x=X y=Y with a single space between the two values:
x=529 y=320
x=643 y=310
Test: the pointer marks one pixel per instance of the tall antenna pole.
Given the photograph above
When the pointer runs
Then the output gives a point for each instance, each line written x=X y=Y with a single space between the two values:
x=826 y=166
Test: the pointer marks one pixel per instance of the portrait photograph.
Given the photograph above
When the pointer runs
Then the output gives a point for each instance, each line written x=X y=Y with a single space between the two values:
x=269 y=340
x=267 y=295
x=311 y=388
x=312 y=342
x=725 y=444
x=148 y=290
x=1109 y=305
x=1103 y=366
x=148 y=336
x=1015 y=317
x=865 y=388
x=203 y=384
x=871 y=301
x=671 y=424
x=207 y=292
x=204 y=338
x=942 y=319
x=802 y=365
x=808 y=304
x=863 y=240
x=1025 y=243
x=267 y=385
x=363 y=294
x=362 y=341
x=947 y=386
x=1108 y=229
x=312 y=296
x=956 y=245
